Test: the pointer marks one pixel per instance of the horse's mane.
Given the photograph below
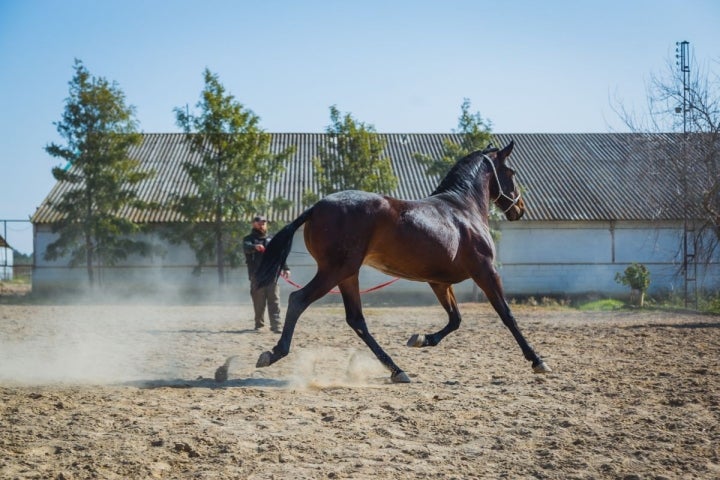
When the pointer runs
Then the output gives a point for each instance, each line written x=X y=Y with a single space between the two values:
x=461 y=176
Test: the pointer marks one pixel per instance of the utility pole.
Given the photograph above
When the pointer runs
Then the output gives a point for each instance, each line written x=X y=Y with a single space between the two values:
x=682 y=53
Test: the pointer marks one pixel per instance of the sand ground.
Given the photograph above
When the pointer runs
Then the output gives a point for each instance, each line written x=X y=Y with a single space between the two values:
x=106 y=391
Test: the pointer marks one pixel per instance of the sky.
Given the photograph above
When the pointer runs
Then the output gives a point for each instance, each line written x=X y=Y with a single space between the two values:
x=527 y=66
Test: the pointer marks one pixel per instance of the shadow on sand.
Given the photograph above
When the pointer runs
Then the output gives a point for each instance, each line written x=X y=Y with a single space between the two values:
x=203 y=382
x=201 y=331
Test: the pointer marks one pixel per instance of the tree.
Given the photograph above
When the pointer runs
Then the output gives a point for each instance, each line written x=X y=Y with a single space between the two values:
x=475 y=135
x=353 y=159
x=692 y=105
x=683 y=110
x=231 y=176
x=99 y=129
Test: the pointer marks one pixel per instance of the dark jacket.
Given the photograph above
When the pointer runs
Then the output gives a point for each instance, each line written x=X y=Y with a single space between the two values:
x=252 y=256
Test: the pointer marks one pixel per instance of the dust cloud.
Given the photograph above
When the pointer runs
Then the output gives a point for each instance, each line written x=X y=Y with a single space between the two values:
x=333 y=367
x=84 y=344
x=111 y=341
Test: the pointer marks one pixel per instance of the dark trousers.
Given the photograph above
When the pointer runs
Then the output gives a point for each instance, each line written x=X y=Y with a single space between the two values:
x=269 y=296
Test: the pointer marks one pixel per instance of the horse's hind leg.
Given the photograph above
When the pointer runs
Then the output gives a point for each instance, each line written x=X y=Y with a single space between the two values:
x=492 y=286
x=298 y=302
x=445 y=294
x=350 y=290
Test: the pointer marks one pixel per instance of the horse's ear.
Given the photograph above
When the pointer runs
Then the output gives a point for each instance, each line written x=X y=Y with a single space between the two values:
x=505 y=152
x=490 y=149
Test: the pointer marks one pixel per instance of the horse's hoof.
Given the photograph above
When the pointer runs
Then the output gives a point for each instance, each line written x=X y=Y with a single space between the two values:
x=264 y=360
x=221 y=374
x=541 y=367
x=416 y=341
x=400 y=377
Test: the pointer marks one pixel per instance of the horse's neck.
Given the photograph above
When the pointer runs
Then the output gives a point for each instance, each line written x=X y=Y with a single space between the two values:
x=475 y=201
x=479 y=195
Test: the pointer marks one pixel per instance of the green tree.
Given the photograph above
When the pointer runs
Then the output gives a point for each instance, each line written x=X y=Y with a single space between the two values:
x=475 y=135
x=99 y=129
x=353 y=159
x=231 y=176
x=637 y=277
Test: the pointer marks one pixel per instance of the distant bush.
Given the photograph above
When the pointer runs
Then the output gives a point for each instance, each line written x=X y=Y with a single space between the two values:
x=637 y=277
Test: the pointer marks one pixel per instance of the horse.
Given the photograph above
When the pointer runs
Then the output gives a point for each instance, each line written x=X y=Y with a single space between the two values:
x=442 y=239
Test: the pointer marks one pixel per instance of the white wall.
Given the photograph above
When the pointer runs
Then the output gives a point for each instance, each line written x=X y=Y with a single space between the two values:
x=534 y=258
x=554 y=258
x=170 y=274
x=582 y=257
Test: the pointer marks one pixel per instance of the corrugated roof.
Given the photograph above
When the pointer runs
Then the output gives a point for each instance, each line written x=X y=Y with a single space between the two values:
x=598 y=176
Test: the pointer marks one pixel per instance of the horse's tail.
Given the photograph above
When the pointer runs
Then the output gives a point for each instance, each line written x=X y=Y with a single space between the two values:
x=277 y=251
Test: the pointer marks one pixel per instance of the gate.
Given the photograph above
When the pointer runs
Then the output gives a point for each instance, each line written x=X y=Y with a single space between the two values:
x=16 y=250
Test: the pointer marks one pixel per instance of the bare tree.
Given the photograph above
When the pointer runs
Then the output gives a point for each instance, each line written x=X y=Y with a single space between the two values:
x=681 y=128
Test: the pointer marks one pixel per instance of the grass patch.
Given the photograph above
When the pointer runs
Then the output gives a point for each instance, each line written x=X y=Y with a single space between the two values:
x=602 y=305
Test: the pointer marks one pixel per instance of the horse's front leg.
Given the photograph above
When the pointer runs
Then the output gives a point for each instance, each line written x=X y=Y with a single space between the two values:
x=445 y=294
x=490 y=283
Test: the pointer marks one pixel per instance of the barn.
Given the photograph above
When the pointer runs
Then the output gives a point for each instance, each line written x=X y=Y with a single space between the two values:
x=596 y=203
x=6 y=260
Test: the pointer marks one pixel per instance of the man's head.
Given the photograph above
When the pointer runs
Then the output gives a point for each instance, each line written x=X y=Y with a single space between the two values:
x=260 y=223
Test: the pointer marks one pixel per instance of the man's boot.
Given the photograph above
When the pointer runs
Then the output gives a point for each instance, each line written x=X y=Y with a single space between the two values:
x=275 y=325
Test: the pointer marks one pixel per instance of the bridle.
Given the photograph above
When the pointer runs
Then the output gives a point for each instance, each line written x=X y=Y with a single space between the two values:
x=513 y=201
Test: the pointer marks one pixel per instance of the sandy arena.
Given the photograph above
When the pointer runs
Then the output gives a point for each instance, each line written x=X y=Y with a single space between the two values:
x=127 y=392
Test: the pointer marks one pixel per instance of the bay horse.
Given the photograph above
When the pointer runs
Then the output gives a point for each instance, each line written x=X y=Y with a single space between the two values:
x=442 y=240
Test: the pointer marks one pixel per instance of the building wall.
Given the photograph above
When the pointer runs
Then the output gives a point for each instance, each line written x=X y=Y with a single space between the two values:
x=172 y=273
x=534 y=258
x=583 y=257
x=6 y=263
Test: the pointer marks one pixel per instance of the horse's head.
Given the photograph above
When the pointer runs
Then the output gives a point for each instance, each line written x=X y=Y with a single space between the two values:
x=504 y=190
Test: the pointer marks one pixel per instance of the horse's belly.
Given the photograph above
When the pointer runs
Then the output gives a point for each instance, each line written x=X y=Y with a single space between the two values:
x=418 y=268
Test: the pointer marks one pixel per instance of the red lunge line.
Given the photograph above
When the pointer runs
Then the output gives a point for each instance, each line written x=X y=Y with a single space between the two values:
x=334 y=290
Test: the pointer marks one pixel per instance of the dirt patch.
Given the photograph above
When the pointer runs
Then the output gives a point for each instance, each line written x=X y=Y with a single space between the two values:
x=127 y=392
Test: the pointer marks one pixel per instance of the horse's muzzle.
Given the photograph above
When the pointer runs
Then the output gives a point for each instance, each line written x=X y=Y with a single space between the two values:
x=516 y=211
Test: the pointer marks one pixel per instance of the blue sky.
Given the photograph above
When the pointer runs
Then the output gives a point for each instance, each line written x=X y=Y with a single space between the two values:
x=402 y=66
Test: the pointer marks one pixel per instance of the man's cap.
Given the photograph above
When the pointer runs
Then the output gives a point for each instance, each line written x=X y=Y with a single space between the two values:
x=260 y=218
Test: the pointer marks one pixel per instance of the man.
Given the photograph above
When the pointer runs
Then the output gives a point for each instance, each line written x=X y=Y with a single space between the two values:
x=254 y=247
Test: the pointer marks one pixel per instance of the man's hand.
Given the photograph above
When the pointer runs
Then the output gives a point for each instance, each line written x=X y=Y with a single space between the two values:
x=260 y=247
x=285 y=273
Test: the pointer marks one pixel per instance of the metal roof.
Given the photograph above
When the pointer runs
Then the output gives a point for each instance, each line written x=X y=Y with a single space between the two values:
x=566 y=177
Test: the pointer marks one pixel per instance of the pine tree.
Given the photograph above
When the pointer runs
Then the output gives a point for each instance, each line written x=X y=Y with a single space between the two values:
x=475 y=135
x=231 y=177
x=99 y=129
x=352 y=159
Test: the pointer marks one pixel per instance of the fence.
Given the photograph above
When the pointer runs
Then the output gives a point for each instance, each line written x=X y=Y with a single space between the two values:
x=16 y=250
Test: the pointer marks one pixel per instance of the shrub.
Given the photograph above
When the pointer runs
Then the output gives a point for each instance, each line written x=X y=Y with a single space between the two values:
x=637 y=277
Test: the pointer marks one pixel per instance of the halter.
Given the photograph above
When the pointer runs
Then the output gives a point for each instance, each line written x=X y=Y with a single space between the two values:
x=513 y=201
